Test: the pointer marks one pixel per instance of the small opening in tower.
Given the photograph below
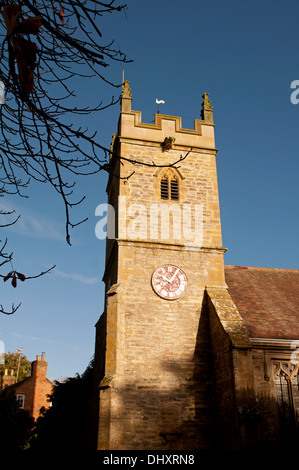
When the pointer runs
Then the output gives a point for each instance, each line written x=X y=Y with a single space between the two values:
x=164 y=188
x=174 y=189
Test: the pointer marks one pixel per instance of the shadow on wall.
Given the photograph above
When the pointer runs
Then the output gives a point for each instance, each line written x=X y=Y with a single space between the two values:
x=197 y=411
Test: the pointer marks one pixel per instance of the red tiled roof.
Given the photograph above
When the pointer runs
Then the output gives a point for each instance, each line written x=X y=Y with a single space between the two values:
x=267 y=299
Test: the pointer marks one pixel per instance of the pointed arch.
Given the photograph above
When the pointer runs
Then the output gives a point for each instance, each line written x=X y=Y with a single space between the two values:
x=169 y=183
x=286 y=383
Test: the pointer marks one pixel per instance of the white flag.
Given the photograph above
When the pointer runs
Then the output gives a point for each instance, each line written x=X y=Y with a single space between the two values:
x=160 y=101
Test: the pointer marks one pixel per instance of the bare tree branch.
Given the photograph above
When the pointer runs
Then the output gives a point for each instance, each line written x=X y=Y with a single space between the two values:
x=47 y=49
x=9 y=312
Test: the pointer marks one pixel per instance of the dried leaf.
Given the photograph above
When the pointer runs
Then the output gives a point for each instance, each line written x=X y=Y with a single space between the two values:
x=61 y=14
x=10 y=14
x=14 y=280
x=21 y=276
x=8 y=276
x=29 y=26
x=25 y=54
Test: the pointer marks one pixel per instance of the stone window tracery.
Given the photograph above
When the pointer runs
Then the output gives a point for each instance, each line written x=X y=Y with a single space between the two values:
x=286 y=381
x=169 y=186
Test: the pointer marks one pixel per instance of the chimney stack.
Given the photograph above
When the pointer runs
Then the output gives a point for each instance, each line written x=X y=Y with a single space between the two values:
x=39 y=367
x=8 y=378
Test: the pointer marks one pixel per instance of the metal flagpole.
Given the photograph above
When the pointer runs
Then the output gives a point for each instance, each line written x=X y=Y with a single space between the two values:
x=19 y=350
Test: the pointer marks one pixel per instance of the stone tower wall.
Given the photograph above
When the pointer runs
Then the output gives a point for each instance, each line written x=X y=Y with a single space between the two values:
x=156 y=389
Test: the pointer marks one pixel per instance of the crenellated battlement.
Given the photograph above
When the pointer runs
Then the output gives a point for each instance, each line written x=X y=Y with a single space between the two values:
x=165 y=126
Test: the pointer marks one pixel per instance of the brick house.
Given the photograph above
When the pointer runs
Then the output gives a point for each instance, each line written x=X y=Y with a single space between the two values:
x=189 y=353
x=32 y=392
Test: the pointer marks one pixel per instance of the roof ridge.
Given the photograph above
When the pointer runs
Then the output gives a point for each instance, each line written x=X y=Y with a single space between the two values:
x=259 y=268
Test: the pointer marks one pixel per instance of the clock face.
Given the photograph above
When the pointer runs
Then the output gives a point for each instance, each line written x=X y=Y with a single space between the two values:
x=169 y=282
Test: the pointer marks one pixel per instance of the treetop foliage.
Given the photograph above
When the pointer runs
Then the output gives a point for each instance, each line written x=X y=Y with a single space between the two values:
x=18 y=363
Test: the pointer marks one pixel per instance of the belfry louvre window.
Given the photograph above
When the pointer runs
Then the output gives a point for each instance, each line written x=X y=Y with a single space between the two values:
x=164 y=188
x=169 y=188
x=174 y=189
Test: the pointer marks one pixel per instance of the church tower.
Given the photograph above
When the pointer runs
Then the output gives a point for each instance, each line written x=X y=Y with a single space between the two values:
x=164 y=253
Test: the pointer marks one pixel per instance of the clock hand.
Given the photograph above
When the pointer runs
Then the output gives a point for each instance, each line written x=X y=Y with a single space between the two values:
x=174 y=276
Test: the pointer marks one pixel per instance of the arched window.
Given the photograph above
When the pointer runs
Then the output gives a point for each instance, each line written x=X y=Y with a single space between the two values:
x=286 y=380
x=169 y=187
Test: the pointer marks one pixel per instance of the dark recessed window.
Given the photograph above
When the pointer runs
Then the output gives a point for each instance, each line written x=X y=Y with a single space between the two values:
x=21 y=400
x=286 y=382
x=164 y=188
x=169 y=188
x=174 y=189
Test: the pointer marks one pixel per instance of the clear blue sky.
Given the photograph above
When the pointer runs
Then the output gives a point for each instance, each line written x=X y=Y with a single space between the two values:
x=245 y=55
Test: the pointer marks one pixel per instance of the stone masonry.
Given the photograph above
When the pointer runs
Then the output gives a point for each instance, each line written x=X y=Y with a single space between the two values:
x=195 y=372
x=155 y=391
